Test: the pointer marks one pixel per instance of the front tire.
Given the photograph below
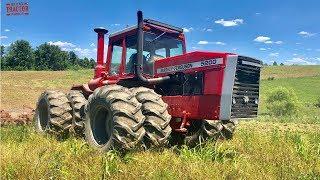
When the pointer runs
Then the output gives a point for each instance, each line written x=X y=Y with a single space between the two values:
x=201 y=131
x=53 y=113
x=113 y=119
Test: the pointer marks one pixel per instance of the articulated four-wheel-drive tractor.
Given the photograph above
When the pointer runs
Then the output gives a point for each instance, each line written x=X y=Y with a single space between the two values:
x=151 y=92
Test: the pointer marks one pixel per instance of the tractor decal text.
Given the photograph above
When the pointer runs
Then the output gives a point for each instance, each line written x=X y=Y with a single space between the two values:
x=186 y=66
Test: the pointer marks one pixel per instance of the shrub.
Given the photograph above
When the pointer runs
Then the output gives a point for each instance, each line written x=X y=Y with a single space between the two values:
x=282 y=102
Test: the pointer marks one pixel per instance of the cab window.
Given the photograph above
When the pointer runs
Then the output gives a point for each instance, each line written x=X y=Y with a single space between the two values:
x=116 y=57
x=176 y=50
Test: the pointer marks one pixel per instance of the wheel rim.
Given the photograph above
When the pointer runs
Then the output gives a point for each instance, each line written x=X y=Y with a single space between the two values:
x=43 y=114
x=101 y=125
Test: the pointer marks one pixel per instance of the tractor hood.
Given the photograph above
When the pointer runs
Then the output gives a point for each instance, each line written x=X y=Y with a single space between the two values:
x=191 y=62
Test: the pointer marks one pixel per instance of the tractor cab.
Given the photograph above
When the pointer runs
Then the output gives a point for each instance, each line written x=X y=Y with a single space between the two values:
x=159 y=41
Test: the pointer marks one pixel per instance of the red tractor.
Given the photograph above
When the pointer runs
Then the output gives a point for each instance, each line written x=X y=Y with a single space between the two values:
x=151 y=92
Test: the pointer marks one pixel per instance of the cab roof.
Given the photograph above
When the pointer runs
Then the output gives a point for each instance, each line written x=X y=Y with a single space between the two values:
x=154 y=24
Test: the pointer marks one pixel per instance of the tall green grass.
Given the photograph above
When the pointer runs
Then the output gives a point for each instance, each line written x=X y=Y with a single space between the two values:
x=256 y=152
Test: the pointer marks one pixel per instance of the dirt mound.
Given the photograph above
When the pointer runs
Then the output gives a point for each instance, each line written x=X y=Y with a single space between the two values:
x=17 y=116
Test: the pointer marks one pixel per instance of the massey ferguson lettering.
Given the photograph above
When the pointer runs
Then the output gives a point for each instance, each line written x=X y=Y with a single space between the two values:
x=182 y=67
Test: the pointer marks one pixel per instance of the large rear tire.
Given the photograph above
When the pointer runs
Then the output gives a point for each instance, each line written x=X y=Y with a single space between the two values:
x=53 y=114
x=157 y=123
x=78 y=102
x=113 y=119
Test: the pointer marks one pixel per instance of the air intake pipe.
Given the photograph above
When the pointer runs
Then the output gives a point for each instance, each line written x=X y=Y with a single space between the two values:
x=100 y=51
x=139 y=63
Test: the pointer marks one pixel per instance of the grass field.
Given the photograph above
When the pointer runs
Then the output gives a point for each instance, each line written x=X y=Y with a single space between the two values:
x=264 y=148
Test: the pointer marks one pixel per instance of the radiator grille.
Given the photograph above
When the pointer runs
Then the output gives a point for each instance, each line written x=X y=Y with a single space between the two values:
x=245 y=96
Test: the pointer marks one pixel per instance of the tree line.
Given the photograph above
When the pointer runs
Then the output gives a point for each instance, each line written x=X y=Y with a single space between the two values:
x=21 y=56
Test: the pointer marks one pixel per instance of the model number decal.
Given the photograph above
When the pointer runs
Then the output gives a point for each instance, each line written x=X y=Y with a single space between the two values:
x=182 y=67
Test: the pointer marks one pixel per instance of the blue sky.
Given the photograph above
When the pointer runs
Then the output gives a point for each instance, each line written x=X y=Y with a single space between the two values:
x=286 y=31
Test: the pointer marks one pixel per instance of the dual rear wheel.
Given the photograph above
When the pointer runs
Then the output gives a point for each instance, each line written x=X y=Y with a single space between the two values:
x=125 y=119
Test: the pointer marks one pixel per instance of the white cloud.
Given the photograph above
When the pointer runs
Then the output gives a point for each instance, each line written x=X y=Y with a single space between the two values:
x=206 y=42
x=278 y=42
x=203 y=42
x=257 y=13
x=309 y=49
x=62 y=44
x=317 y=59
x=274 y=54
x=3 y=37
x=83 y=52
x=92 y=44
x=262 y=49
x=6 y=45
x=7 y=30
x=297 y=60
x=186 y=30
x=298 y=43
x=219 y=43
x=266 y=40
x=261 y=39
x=306 y=34
x=318 y=50
x=295 y=54
x=229 y=23
x=207 y=29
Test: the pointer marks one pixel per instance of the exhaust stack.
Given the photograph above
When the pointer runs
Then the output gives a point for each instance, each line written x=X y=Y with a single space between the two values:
x=139 y=63
x=100 y=51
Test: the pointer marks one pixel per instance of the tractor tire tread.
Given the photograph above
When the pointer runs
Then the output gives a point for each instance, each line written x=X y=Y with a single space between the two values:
x=78 y=102
x=157 y=123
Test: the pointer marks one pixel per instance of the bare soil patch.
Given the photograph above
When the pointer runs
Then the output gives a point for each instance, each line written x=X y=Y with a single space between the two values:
x=17 y=116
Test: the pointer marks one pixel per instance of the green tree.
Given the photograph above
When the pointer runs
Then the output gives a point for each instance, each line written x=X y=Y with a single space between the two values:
x=85 y=63
x=51 y=57
x=281 y=64
x=20 y=56
x=275 y=63
x=92 y=63
x=73 y=58
x=2 y=51
x=2 y=60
